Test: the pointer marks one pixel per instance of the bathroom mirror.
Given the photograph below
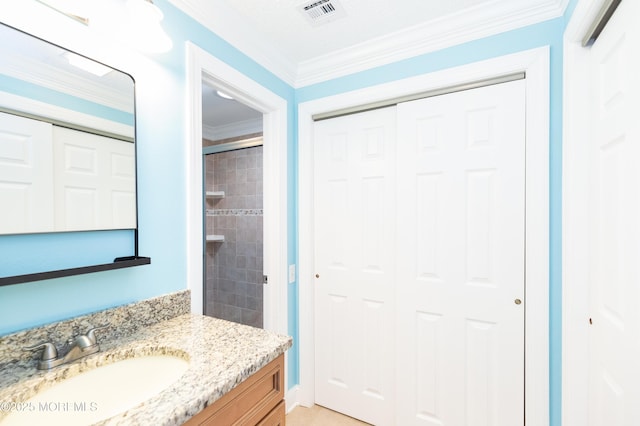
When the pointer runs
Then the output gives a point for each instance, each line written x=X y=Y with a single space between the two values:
x=67 y=140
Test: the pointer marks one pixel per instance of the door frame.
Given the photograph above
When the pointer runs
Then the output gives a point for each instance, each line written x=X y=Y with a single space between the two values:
x=575 y=217
x=535 y=63
x=204 y=67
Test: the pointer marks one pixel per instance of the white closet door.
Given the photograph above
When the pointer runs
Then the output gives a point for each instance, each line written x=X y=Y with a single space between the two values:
x=26 y=175
x=460 y=254
x=94 y=181
x=614 y=237
x=420 y=254
x=354 y=214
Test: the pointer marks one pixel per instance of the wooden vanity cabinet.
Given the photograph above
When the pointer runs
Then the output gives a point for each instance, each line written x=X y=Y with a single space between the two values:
x=258 y=401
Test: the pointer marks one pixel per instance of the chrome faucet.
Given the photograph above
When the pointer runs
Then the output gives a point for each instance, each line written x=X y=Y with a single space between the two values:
x=78 y=346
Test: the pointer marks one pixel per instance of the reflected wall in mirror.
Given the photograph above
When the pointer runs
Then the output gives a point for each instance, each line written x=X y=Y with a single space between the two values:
x=67 y=140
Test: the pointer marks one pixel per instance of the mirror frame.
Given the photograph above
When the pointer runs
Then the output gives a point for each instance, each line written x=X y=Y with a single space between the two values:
x=118 y=262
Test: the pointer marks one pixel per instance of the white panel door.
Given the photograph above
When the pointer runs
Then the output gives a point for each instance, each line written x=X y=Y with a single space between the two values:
x=460 y=258
x=94 y=181
x=614 y=237
x=354 y=214
x=26 y=175
x=420 y=240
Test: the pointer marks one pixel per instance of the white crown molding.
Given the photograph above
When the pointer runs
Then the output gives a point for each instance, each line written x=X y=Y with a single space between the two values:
x=451 y=30
x=41 y=74
x=474 y=23
x=229 y=25
x=232 y=130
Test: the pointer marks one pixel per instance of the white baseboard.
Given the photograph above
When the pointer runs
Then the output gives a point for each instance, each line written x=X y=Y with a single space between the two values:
x=291 y=398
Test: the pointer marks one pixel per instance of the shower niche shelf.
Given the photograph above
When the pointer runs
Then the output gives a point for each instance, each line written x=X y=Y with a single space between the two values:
x=215 y=194
x=215 y=238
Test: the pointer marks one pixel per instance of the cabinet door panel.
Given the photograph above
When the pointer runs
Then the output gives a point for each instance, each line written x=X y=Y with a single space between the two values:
x=250 y=402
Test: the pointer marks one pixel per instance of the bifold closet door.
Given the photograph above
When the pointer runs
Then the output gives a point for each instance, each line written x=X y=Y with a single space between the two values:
x=460 y=258
x=354 y=215
x=614 y=230
x=419 y=236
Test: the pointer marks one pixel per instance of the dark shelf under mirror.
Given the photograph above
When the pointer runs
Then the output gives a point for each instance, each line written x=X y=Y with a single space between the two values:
x=118 y=263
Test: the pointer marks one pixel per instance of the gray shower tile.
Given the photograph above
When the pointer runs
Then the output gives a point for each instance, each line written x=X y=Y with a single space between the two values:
x=227 y=298
x=241 y=163
x=241 y=176
x=237 y=262
x=252 y=175
x=247 y=249
x=252 y=318
x=254 y=304
x=232 y=313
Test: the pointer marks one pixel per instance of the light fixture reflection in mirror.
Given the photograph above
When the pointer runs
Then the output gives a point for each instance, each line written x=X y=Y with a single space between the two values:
x=86 y=64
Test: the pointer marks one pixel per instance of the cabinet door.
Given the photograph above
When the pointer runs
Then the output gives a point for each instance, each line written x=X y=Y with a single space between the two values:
x=276 y=417
x=250 y=403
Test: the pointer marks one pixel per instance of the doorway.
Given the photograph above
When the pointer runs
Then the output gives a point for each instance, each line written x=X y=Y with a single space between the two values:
x=232 y=209
x=601 y=322
x=203 y=67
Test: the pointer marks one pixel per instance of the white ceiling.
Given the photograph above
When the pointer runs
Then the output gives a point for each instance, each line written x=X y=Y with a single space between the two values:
x=227 y=118
x=277 y=35
x=283 y=24
x=373 y=32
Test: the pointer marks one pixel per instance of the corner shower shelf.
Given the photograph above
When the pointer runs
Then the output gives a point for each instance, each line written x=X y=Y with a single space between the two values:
x=215 y=238
x=215 y=194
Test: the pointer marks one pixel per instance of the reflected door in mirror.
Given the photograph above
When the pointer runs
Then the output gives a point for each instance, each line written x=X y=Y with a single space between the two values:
x=58 y=179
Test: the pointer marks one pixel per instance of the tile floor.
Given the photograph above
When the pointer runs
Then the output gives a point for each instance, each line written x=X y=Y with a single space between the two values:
x=319 y=416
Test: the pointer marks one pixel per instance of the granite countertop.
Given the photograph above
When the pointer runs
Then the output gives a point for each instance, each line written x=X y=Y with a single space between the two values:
x=221 y=355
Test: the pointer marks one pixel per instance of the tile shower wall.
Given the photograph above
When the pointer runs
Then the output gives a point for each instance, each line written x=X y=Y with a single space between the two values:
x=234 y=267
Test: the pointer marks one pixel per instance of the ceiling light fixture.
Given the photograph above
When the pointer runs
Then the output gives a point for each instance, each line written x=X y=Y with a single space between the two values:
x=73 y=9
x=145 y=27
x=134 y=22
x=223 y=95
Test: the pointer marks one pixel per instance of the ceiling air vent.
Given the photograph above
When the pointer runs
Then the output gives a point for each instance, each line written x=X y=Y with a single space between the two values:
x=320 y=12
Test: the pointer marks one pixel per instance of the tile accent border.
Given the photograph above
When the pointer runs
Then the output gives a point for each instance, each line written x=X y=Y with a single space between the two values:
x=123 y=320
x=234 y=212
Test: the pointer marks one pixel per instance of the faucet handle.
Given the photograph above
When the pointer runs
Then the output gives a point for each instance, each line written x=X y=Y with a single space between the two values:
x=49 y=352
x=91 y=334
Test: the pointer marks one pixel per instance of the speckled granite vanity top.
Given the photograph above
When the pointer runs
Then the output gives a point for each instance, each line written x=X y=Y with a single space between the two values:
x=221 y=354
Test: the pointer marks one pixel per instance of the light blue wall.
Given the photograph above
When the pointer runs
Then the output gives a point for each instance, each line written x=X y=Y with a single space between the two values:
x=162 y=175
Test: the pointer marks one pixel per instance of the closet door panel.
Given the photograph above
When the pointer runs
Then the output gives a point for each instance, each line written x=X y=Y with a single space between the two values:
x=26 y=175
x=460 y=258
x=354 y=208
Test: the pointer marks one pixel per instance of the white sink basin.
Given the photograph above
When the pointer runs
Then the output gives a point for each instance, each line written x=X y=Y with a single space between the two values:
x=100 y=393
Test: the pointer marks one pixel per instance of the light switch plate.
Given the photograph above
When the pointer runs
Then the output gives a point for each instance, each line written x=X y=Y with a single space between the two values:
x=292 y=273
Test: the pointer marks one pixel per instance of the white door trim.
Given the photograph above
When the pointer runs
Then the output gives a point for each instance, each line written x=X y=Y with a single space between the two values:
x=535 y=63
x=203 y=66
x=575 y=217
